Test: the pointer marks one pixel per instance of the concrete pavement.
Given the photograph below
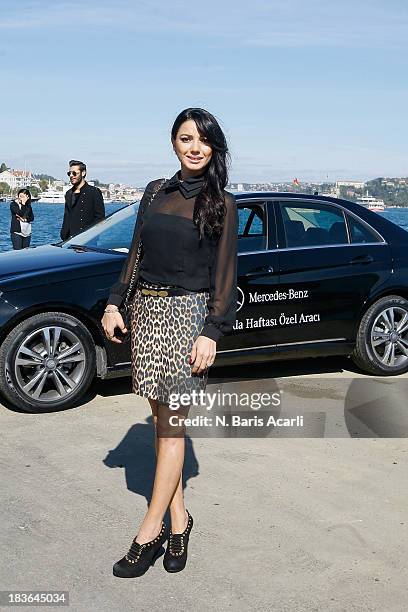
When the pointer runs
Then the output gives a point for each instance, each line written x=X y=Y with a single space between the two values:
x=314 y=520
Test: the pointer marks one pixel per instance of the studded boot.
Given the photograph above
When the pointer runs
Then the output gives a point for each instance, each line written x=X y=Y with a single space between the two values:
x=175 y=557
x=140 y=557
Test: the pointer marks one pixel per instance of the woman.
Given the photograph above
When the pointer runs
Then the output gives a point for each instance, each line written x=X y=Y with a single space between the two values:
x=184 y=302
x=21 y=218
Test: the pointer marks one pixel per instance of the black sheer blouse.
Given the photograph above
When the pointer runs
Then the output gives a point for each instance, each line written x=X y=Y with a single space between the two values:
x=172 y=253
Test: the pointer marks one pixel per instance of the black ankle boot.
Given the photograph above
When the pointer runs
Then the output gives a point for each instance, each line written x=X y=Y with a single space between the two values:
x=140 y=557
x=175 y=557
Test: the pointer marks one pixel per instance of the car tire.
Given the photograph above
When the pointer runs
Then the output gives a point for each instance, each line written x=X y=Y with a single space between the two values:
x=382 y=338
x=47 y=362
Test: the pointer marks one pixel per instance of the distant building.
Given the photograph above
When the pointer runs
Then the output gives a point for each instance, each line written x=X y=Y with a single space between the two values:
x=351 y=187
x=16 y=179
x=8 y=178
x=24 y=176
x=58 y=184
x=355 y=184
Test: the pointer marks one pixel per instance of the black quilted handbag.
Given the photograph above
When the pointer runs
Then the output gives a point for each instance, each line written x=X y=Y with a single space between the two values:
x=126 y=307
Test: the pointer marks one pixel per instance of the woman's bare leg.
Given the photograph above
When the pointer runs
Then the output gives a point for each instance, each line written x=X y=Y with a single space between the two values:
x=167 y=488
x=178 y=514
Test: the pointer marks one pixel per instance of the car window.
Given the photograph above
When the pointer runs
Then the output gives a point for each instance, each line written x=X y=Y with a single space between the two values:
x=313 y=224
x=252 y=228
x=115 y=232
x=359 y=232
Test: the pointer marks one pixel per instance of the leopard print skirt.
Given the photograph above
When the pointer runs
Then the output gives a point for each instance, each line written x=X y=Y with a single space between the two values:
x=163 y=330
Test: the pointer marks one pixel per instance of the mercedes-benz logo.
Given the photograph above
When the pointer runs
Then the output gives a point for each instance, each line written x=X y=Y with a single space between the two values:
x=50 y=364
x=241 y=298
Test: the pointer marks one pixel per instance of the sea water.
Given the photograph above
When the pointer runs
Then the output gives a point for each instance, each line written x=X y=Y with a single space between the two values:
x=46 y=226
x=48 y=221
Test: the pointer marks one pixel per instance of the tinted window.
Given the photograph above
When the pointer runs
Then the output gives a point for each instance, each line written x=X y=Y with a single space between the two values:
x=115 y=232
x=359 y=232
x=252 y=228
x=310 y=224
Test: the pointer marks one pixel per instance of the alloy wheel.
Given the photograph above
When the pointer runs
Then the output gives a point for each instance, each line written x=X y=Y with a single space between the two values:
x=50 y=363
x=389 y=337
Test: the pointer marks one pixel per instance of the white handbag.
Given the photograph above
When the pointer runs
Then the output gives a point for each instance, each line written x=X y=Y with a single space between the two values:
x=25 y=228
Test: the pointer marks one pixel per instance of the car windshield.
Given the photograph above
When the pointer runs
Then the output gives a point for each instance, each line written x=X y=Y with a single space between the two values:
x=113 y=233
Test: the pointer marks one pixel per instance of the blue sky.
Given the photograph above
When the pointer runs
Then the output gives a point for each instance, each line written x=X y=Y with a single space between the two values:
x=312 y=89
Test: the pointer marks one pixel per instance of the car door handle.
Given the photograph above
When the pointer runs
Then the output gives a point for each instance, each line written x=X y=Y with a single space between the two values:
x=362 y=259
x=260 y=270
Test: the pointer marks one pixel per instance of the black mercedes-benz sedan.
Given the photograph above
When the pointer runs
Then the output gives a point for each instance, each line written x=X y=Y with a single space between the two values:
x=317 y=276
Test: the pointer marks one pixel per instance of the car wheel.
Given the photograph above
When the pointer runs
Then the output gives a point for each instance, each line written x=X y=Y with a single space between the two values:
x=382 y=339
x=47 y=362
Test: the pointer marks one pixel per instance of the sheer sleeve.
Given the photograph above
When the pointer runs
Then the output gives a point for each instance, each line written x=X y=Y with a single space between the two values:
x=222 y=304
x=118 y=290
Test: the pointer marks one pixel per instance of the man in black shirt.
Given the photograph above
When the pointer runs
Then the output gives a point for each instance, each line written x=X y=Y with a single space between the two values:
x=83 y=203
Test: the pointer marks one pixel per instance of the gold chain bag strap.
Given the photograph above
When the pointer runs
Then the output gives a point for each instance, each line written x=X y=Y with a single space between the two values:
x=126 y=308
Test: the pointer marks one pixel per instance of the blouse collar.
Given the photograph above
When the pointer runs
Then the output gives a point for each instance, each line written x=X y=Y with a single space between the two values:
x=189 y=187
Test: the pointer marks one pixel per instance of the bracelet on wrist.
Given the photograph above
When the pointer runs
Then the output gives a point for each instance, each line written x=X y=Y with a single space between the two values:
x=109 y=311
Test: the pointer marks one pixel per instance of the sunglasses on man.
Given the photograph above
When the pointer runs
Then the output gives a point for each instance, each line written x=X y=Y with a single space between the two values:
x=73 y=172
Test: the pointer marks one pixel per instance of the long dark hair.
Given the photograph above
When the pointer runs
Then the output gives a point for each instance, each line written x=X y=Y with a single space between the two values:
x=209 y=209
x=27 y=193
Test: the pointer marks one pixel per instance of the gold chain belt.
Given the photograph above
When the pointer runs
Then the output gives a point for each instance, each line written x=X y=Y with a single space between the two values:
x=161 y=293
x=156 y=290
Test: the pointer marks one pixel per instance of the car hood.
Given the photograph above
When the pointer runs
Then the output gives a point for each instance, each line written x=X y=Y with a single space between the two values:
x=38 y=265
